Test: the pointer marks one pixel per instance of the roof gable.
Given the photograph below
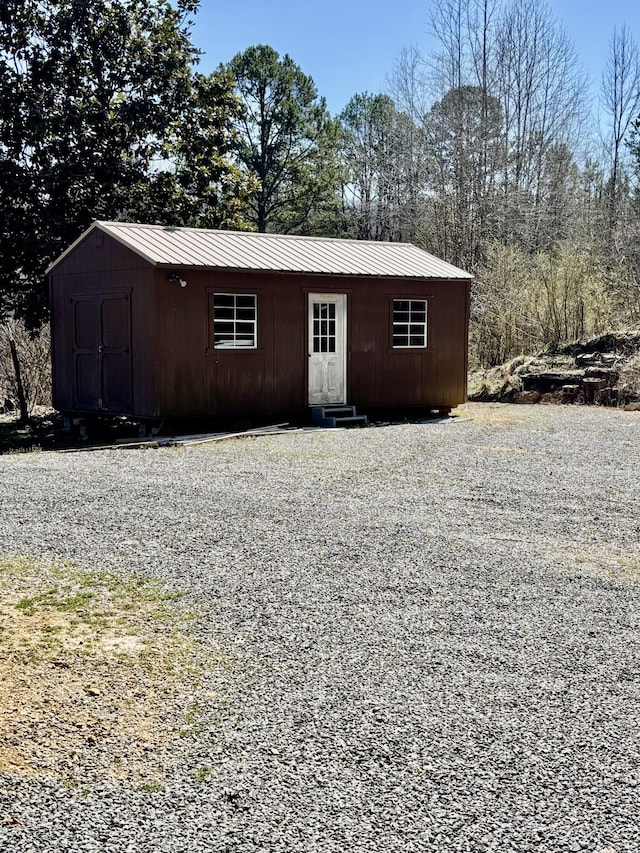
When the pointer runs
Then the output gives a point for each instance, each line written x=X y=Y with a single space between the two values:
x=244 y=250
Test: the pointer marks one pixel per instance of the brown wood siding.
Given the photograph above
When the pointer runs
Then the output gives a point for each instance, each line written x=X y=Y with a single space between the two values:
x=195 y=379
x=177 y=373
x=382 y=376
x=101 y=267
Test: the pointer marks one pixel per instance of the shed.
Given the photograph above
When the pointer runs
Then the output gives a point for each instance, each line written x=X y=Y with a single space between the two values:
x=161 y=322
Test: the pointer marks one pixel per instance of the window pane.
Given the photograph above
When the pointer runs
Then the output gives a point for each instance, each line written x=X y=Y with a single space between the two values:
x=223 y=313
x=399 y=341
x=223 y=299
x=245 y=301
x=246 y=314
x=220 y=339
x=416 y=341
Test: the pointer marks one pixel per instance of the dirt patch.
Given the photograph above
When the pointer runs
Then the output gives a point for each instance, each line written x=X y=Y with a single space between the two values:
x=96 y=674
x=490 y=413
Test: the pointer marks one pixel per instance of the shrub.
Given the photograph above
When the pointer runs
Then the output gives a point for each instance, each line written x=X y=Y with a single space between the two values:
x=34 y=356
x=524 y=303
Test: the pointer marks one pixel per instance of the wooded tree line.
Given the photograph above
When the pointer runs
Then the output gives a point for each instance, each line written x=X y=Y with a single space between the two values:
x=489 y=152
x=492 y=154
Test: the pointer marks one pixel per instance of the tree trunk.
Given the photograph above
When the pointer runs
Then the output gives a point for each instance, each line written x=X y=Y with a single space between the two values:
x=22 y=401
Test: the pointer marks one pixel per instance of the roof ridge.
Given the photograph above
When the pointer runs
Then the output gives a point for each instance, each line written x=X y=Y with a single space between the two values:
x=259 y=234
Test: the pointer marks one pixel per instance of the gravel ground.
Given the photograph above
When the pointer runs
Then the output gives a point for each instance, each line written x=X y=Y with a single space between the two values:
x=430 y=634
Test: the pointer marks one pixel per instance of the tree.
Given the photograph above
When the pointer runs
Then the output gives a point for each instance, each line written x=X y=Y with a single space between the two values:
x=286 y=139
x=620 y=89
x=99 y=106
x=464 y=139
x=542 y=89
x=384 y=169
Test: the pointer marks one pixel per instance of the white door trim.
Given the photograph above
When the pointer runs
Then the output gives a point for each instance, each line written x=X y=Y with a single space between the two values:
x=327 y=349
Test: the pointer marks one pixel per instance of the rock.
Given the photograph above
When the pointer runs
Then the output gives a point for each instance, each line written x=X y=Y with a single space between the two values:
x=606 y=373
x=607 y=397
x=570 y=392
x=547 y=382
x=528 y=397
x=610 y=358
x=585 y=358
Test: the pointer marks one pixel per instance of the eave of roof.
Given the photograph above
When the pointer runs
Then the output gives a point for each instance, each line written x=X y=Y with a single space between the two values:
x=248 y=251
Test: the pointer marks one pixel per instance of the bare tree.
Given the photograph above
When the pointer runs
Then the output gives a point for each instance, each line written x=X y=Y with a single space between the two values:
x=384 y=159
x=448 y=23
x=464 y=132
x=620 y=101
x=409 y=84
x=543 y=91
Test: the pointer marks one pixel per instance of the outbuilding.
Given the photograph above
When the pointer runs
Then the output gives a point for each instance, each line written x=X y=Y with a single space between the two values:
x=159 y=322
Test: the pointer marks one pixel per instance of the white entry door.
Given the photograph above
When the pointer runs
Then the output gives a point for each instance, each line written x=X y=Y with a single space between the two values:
x=327 y=348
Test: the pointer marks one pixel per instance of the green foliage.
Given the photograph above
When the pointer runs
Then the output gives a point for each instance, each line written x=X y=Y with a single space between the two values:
x=287 y=142
x=99 y=107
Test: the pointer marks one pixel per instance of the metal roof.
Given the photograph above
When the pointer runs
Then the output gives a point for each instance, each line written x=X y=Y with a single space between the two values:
x=244 y=250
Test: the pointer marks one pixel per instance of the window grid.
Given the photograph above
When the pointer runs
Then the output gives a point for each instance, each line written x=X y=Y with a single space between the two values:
x=324 y=327
x=234 y=321
x=409 y=323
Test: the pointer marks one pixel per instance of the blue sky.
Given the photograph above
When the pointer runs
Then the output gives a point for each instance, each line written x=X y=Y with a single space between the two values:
x=349 y=46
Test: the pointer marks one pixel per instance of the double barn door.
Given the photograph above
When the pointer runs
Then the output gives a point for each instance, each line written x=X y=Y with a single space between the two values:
x=102 y=352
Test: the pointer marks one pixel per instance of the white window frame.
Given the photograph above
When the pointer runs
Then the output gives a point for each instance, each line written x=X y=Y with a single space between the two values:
x=234 y=342
x=414 y=328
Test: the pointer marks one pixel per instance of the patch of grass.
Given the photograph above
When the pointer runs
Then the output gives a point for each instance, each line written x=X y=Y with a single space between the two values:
x=193 y=723
x=93 y=657
x=151 y=787
x=203 y=773
x=76 y=602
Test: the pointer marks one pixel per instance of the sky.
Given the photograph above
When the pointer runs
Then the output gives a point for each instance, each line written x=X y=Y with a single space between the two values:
x=350 y=46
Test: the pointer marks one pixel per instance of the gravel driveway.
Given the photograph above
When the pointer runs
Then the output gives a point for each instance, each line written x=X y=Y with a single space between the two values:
x=431 y=634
